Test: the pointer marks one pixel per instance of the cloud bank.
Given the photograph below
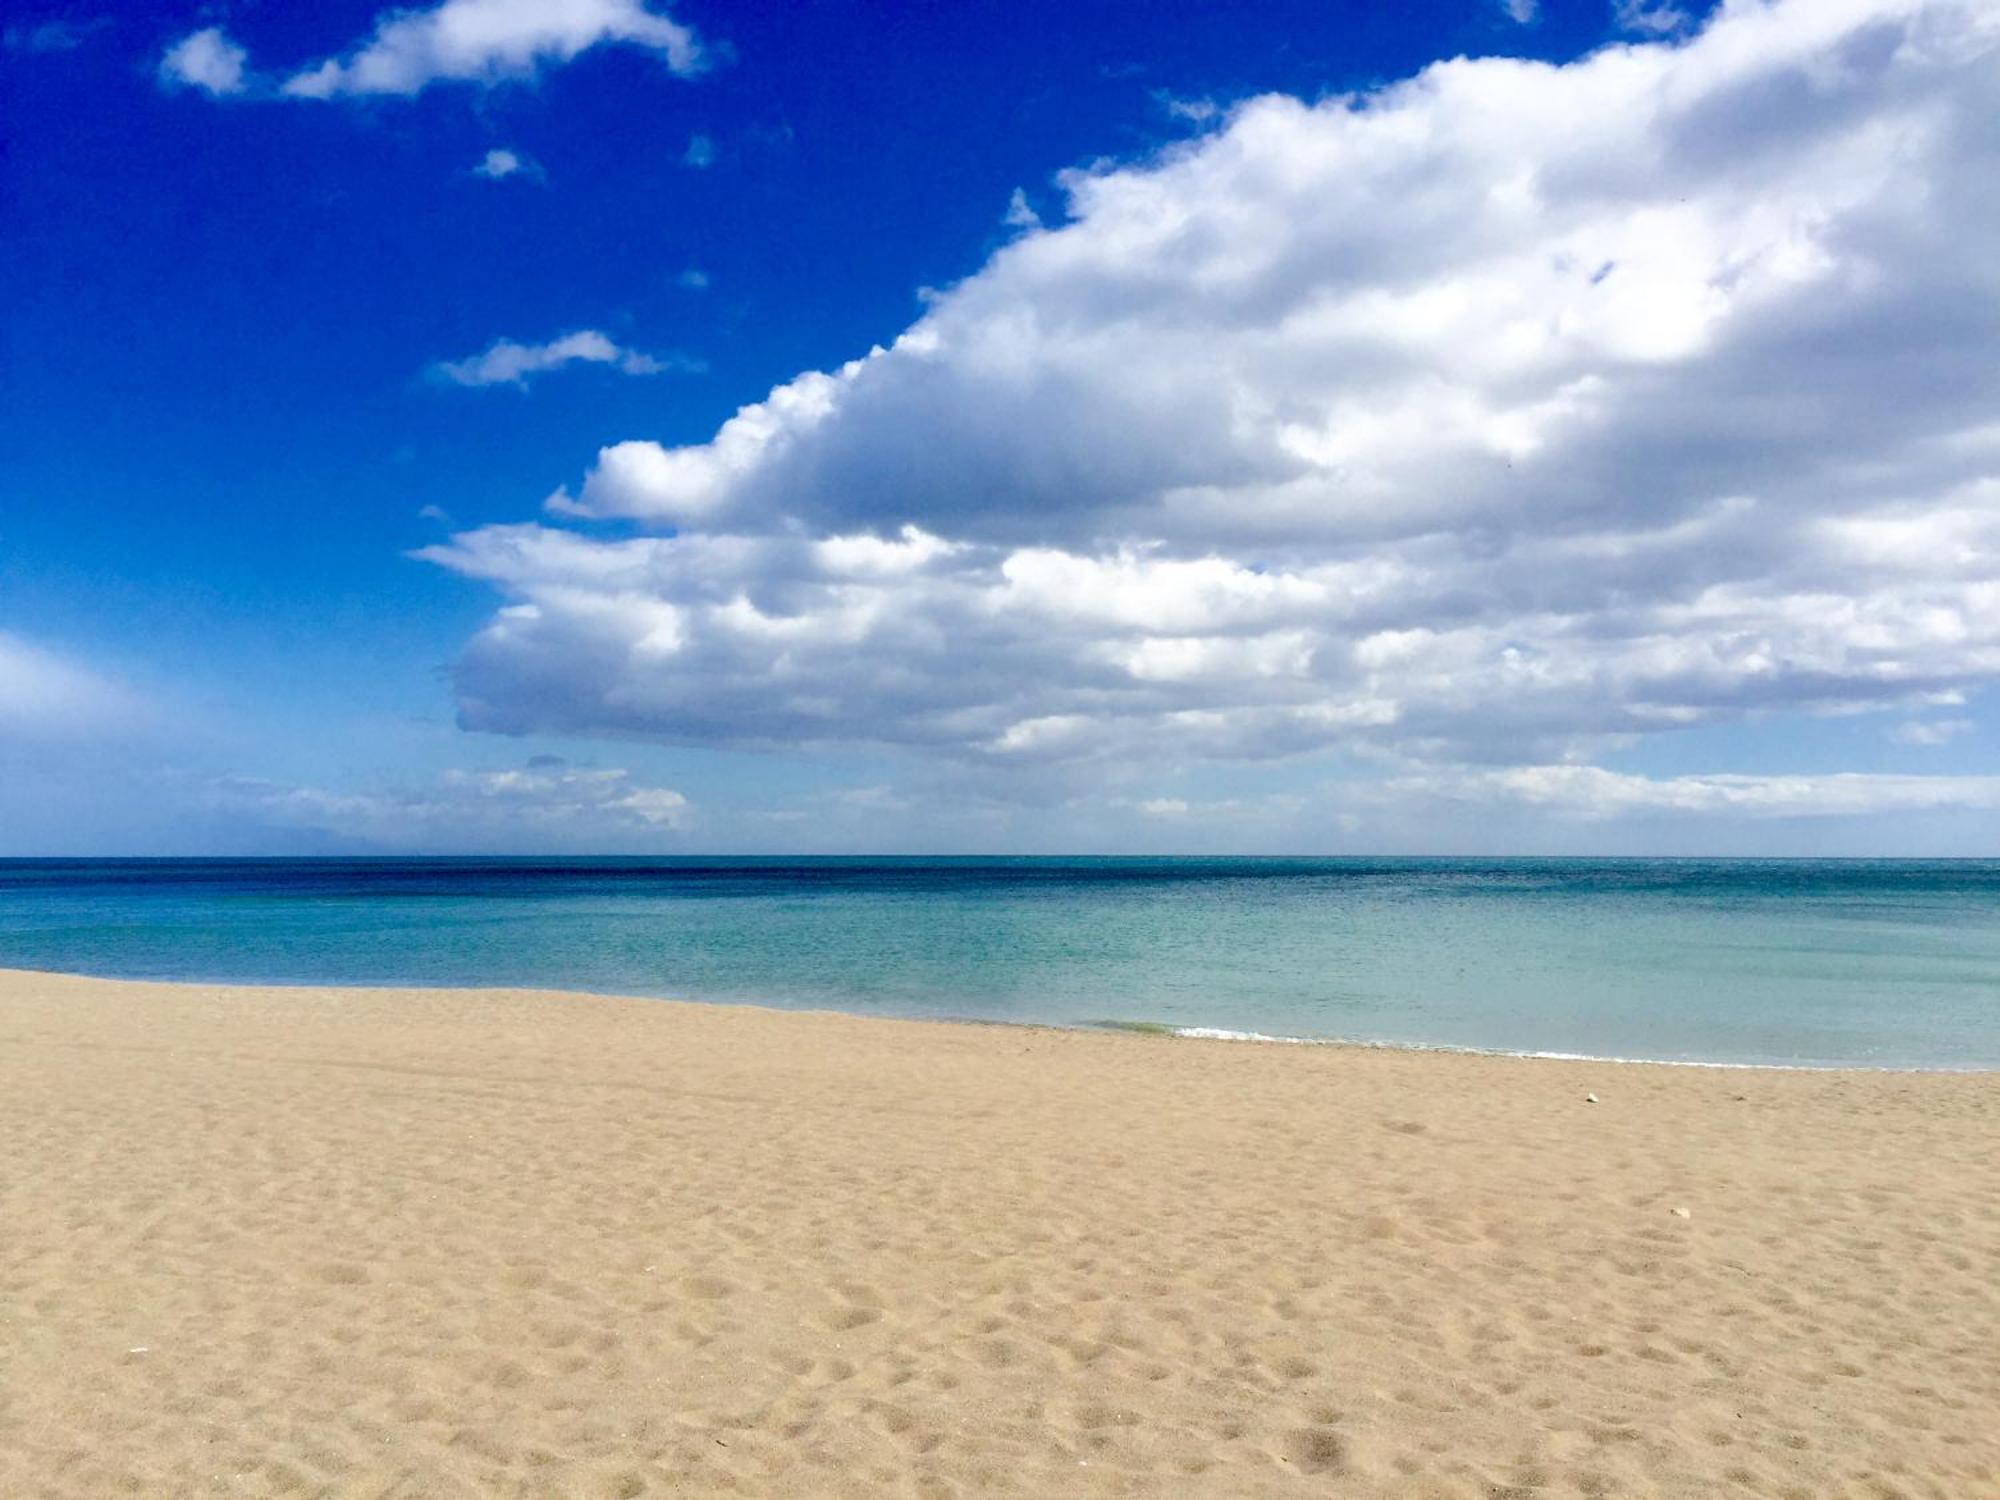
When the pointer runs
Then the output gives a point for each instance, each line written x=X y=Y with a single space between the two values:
x=1482 y=423
x=1592 y=793
x=549 y=803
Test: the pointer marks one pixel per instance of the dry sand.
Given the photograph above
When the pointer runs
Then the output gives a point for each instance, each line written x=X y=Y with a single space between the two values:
x=411 y=1243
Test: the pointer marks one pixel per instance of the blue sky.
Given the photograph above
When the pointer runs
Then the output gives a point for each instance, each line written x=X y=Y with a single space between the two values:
x=436 y=429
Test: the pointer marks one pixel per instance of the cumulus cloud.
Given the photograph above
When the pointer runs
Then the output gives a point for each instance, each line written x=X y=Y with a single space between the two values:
x=548 y=803
x=1522 y=12
x=509 y=363
x=1493 y=418
x=207 y=60
x=481 y=42
x=501 y=163
x=700 y=152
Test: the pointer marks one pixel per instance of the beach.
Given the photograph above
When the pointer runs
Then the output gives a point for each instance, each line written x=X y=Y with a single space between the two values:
x=416 y=1243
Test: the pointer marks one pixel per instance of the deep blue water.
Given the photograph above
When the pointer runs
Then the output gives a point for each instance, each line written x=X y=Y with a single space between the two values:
x=1888 y=963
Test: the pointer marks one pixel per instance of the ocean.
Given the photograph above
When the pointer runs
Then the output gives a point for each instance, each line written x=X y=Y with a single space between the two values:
x=1882 y=963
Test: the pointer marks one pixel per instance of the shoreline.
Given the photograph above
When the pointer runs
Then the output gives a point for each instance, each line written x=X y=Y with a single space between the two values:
x=353 y=1242
x=1104 y=1027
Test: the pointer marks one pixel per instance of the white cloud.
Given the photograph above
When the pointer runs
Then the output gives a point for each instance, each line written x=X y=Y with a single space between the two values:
x=700 y=152
x=693 y=279
x=1493 y=418
x=1194 y=111
x=492 y=41
x=207 y=60
x=548 y=803
x=481 y=42
x=1021 y=213
x=1642 y=17
x=1933 y=732
x=1522 y=12
x=509 y=363
x=501 y=163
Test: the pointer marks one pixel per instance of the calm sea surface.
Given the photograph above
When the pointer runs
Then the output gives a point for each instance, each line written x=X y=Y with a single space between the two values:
x=1890 y=963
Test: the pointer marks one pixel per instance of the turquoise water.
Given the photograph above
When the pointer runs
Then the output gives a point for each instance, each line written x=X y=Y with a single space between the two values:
x=1882 y=963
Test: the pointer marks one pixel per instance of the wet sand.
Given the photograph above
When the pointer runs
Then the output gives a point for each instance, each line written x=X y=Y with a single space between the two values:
x=467 y=1243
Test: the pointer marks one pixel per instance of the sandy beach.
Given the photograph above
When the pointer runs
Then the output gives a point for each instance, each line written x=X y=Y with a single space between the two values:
x=441 y=1243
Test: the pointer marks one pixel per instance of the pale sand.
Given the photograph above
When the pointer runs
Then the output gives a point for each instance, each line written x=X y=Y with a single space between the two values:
x=410 y=1243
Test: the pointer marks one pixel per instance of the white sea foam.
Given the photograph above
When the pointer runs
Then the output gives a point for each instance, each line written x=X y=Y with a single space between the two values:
x=1225 y=1034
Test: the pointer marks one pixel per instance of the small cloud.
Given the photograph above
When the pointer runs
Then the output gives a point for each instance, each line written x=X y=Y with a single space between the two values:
x=1648 y=17
x=488 y=42
x=1936 y=732
x=779 y=137
x=501 y=163
x=1164 y=807
x=509 y=363
x=693 y=279
x=1522 y=12
x=1021 y=213
x=207 y=60
x=480 y=42
x=52 y=36
x=435 y=513
x=1194 y=111
x=655 y=806
x=700 y=152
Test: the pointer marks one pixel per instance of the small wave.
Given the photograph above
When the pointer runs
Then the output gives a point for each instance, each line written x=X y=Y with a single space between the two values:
x=1225 y=1034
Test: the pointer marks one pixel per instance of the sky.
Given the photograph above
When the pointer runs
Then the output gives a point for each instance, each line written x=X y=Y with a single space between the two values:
x=572 y=426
